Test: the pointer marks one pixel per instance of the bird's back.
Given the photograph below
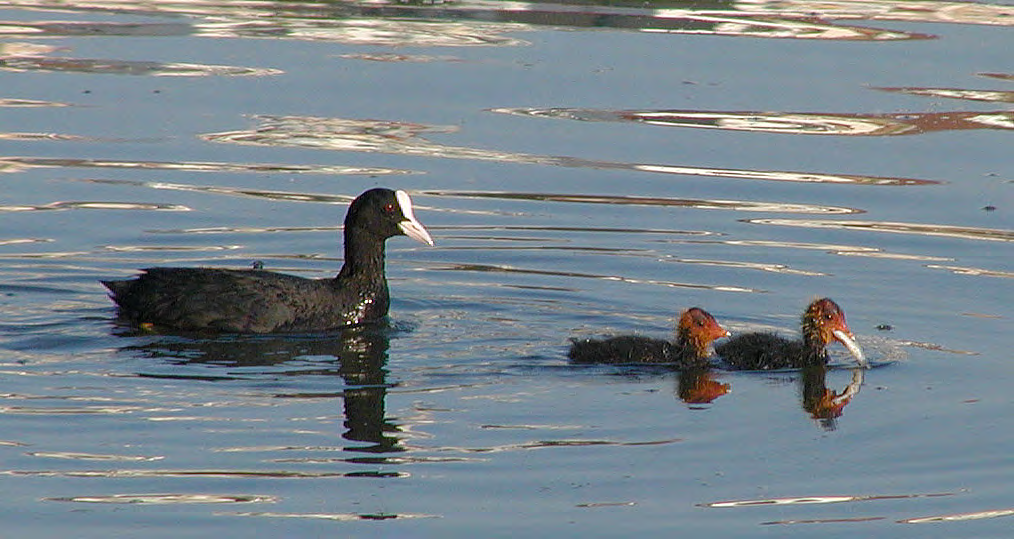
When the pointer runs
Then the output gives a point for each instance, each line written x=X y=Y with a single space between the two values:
x=245 y=301
x=760 y=351
x=625 y=349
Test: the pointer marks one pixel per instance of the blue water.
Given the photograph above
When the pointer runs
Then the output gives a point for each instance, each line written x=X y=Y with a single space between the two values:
x=789 y=167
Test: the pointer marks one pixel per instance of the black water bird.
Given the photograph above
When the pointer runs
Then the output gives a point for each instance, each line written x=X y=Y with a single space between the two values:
x=258 y=301
x=696 y=329
x=822 y=322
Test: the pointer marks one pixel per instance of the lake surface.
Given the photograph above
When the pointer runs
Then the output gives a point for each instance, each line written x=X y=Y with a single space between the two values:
x=586 y=169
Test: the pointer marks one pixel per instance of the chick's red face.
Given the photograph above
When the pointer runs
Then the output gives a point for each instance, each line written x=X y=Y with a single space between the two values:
x=830 y=318
x=702 y=325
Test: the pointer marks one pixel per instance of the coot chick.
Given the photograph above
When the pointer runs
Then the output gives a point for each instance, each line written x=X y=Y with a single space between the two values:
x=258 y=301
x=695 y=331
x=822 y=322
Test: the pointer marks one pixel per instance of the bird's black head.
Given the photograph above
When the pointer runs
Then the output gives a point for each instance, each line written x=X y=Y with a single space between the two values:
x=385 y=213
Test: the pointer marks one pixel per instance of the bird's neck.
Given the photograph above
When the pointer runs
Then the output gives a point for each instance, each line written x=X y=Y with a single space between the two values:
x=364 y=255
x=691 y=347
x=814 y=343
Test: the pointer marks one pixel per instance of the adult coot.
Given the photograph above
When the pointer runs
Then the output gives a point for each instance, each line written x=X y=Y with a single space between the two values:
x=822 y=322
x=695 y=331
x=257 y=301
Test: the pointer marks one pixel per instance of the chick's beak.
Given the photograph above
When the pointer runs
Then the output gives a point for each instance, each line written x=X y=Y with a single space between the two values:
x=849 y=340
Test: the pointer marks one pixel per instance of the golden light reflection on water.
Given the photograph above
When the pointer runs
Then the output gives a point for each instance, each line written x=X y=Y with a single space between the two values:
x=976 y=272
x=162 y=499
x=809 y=500
x=363 y=24
x=841 y=250
x=184 y=473
x=991 y=96
x=339 y=517
x=891 y=10
x=794 y=123
x=1000 y=76
x=958 y=517
x=708 y=204
x=126 y=67
x=404 y=138
x=26 y=103
x=83 y=205
x=44 y=136
x=93 y=456
x=168 y=248
x=400 y=58
x=18 y=164
x=783 y=176
x=922 y=229
x=472 y=23
x=770 y=268
x=490 y=268
x=21 y=241
x=288 y=196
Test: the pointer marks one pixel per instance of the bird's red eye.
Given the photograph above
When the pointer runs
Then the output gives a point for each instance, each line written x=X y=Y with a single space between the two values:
x=389 y=208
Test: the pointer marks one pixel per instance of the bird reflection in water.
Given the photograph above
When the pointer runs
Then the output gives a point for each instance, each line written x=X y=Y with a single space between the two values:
x=824 y=405
x=358 y=355
x=698 y=386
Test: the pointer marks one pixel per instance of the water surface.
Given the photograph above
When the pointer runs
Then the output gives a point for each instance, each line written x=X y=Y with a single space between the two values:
x=586 y=169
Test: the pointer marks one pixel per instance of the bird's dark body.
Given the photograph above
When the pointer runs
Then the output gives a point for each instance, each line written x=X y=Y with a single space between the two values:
x=258 y=301
x=248 y=301
x=695 y=331
x=626 y=349
x=822 y=322
x=767 y=351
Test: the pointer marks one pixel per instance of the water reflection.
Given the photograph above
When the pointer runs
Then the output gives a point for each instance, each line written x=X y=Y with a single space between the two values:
x=25 y=103
x=978 y=272
x=18 y=164
x=400 y=58
x=358 y=356
x=921 y=229
x=339 y=517
x=472 y=23
x=699 y=386
x=835 y=499
x=795 y=123
x=86 y=205
x=707 y=204
x=369 y=23
x=288 y=196
x=126 y=67
x=893 y=10
x=999 y=76
x=824 y=405
x=162 y=499
x=958 y=517
x=572 y=274
x=404 y=138
x=991 y=96
x=811 y=500
x=836 y=249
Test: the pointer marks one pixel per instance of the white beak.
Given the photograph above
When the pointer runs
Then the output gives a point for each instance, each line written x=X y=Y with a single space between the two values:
x=410 y=226
x=852 y=345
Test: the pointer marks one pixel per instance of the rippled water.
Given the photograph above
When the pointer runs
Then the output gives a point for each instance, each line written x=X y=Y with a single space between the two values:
x=585 y=170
